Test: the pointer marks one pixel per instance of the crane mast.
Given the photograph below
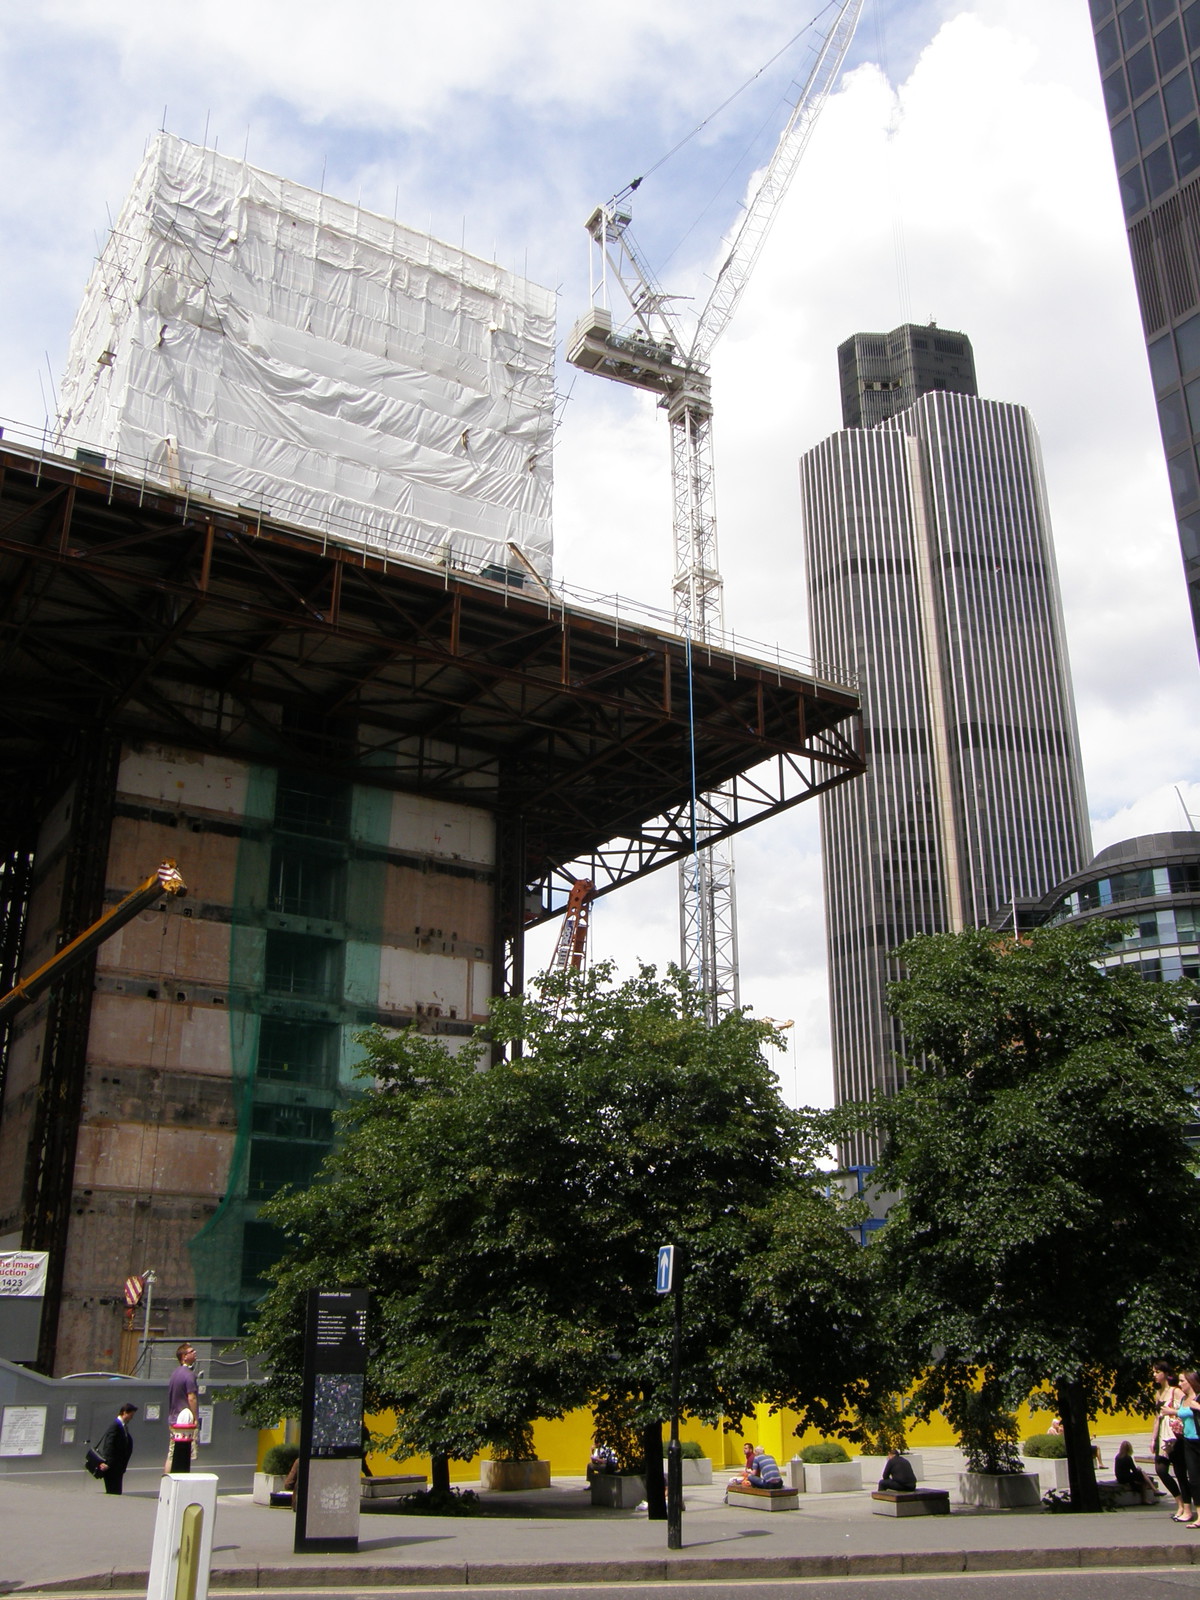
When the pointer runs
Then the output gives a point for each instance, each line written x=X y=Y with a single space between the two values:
x=654 y=353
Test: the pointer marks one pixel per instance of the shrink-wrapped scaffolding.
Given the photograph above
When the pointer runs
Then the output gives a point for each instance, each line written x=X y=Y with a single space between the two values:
x=254 y=340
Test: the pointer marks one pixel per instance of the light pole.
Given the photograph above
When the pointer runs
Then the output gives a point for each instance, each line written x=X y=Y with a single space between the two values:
x=149 y=1280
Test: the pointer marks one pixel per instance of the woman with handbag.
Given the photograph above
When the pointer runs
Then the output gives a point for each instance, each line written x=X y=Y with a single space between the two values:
x=1167 y=1445
x=1188 y=1411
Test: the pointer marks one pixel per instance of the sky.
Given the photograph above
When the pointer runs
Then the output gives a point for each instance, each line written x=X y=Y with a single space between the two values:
x=961 y=171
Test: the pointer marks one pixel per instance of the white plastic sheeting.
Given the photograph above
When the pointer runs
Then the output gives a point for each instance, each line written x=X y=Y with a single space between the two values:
x=269 y=345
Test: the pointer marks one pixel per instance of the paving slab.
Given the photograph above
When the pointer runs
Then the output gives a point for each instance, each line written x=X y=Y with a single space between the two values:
x=101 y=1543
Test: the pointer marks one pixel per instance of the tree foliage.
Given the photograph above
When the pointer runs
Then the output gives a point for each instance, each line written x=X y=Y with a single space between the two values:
x=1048 y=1195
x=506 y=1221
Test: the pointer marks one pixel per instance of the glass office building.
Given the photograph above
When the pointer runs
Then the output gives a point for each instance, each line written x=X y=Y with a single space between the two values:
x=882 y=373
x=1152 y=884
x=931 y=573
x=1149 y=55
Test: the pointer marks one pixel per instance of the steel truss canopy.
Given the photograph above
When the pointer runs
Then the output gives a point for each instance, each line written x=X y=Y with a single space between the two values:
x=142 y=612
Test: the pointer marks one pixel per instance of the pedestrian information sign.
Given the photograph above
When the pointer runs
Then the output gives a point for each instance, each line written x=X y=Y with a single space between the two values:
x=665 y=1277
x=23 y=1272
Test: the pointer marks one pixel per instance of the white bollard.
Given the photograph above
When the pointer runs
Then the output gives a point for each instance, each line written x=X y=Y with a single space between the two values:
x=183 y=1536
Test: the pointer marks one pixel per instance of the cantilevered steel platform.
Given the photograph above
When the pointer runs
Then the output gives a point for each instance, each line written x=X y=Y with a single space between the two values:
x=133 y=610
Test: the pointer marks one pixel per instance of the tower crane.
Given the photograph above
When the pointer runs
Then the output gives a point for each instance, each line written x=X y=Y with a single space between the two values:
x=655 y=351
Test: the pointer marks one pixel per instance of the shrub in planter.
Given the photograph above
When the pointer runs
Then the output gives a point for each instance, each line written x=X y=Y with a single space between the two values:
x=882 y=1426
x=827 y=1450
x=689 y=1449
x=439 y=1503
x=986 y=1431
x=1049 y=1446
x=278 y=1461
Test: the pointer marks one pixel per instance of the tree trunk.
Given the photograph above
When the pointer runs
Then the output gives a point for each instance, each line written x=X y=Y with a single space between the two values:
x=1081 y=1465
x=439 y=1473
x=656 y=1483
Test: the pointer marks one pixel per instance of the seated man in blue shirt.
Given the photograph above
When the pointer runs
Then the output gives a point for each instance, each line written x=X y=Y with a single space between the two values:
x=764 y=1471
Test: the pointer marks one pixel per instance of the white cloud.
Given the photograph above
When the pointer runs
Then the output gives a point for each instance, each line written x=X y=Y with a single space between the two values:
x=979 y=189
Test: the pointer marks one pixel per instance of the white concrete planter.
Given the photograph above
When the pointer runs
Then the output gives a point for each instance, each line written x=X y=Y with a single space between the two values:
x=697 y=1469
x=1052 y=1471
x=999 y=1491
x=872 y=1467
x=507 y=1476
x=265 y=1485
x=831 y=1477
x=612 y=1489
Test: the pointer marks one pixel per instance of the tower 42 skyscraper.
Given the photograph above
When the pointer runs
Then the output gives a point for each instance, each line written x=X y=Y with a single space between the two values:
x=931 y=571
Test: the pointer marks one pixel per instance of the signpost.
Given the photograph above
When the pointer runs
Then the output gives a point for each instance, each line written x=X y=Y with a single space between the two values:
x=331 y=1418
x=669 y=1280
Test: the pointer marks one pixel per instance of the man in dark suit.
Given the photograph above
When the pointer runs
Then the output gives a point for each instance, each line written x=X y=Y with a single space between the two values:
x=115 y=1449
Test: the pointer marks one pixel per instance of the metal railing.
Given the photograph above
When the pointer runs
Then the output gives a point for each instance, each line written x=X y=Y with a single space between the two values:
x=413 y=544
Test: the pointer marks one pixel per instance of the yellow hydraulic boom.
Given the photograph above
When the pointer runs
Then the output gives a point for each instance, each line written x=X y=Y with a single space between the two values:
x=166 y=880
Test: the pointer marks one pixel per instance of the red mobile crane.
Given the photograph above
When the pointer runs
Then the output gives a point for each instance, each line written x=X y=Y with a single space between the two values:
x=570 y=953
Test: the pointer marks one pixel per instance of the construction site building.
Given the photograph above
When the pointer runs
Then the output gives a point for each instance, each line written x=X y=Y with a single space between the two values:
x=276 y=604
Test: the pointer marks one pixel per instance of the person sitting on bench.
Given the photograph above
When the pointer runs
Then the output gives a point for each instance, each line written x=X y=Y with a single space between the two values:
x=898 y=1474
x=764 y=1471
x=760 y=1472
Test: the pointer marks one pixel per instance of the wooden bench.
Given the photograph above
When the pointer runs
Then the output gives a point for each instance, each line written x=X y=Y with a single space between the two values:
x=781 y=1499
x=911 y=1502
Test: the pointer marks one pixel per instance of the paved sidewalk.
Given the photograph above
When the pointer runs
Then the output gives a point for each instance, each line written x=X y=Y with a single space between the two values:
x=75 y=1538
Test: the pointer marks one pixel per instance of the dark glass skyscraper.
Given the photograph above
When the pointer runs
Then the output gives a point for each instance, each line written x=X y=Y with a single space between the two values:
x=1149 y=54
x=931 y=572
x=883 y=373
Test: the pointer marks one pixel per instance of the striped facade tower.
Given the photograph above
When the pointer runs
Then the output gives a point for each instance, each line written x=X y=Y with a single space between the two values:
x=931 y=571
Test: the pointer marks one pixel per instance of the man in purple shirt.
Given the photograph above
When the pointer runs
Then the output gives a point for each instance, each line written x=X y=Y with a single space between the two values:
x=182 y=1395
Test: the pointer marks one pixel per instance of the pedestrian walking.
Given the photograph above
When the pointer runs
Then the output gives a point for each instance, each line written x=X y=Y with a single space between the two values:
x=1167 y=1443
x=115 y=1449
x=183 y=1410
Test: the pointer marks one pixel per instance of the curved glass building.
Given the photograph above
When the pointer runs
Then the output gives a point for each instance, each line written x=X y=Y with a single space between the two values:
x=1153 y=883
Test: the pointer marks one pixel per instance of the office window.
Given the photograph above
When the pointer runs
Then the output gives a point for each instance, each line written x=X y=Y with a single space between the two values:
x=1115 y=98
x=1187 y=341
x=1123 y=141
x=1133 y=192
x=1178 y=98
x=1100 y=9
x=1160 y=10
x=1163 y=370
x=1169 y=48
x=1160 y=173
x=1181 y=470
x=299 y=966
x=300 y=1053
x=1134 y=26
x=1151 y=124
x=1108 y=47
x=1142 y=72
x=1186 y=145
x=305 y=885
x=1191 y=24
x=1173 y=421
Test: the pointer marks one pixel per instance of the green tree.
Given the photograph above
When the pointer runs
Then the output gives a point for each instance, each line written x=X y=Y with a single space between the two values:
x=1048 y=1201
x=506 y=1220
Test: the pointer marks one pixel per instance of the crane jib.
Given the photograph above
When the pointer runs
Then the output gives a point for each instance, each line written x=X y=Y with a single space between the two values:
x=652 y=353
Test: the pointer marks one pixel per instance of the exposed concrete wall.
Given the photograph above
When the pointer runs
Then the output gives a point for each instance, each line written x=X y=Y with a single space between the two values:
x=174 y=1107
